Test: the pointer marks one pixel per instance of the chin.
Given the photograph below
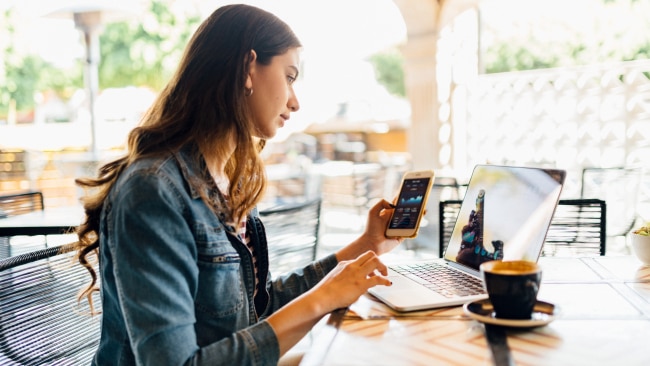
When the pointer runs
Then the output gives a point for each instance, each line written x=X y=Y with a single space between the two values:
x=267 y=136
x=271 y=134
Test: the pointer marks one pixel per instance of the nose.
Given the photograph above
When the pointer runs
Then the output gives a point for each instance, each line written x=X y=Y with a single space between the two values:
x=293 y=103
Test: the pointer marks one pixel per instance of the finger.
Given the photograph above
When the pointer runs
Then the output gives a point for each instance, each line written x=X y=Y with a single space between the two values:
x=374 y=263
x=380 y=206
x=364 y=258
x=377 y=272
x=398 y=239
x=379 y=280
x=382 y=268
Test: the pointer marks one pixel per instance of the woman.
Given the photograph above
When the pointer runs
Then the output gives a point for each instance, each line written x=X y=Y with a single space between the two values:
x=183 y=257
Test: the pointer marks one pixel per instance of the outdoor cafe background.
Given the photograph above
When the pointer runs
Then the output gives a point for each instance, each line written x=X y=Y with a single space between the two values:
x=457 y=96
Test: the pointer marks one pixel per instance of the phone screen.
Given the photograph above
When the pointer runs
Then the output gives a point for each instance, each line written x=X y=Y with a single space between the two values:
x=409 y=203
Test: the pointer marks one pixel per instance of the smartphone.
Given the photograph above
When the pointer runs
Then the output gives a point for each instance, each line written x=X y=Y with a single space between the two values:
x=410 y=205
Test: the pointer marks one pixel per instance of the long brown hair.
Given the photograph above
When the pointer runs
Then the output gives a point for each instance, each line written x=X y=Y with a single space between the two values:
x=203 y=105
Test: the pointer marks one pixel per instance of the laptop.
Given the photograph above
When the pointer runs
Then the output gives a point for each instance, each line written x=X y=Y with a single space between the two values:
x=505 y=215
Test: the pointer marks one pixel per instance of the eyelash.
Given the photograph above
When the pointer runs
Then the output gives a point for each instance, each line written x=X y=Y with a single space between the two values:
x=291 y=79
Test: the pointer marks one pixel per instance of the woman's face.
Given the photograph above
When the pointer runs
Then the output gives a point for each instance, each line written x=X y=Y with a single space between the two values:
x=273 y=98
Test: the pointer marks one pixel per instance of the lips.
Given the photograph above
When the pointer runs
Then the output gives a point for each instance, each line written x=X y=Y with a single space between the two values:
x=283 y=118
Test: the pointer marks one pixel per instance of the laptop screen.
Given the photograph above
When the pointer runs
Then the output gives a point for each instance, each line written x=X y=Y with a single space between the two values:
x=505 y=214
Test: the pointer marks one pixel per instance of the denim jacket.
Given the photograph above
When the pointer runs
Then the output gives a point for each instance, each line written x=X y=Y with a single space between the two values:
x=177 y=289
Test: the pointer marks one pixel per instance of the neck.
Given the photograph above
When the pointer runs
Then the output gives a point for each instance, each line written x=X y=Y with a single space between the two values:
x=220 y=179
x=216 y=164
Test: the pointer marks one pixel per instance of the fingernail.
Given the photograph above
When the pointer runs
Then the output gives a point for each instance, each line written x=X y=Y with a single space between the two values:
x=392 y=205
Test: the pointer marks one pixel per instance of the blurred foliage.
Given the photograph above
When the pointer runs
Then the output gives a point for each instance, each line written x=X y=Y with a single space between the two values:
x=7 y=81
x=22 y=76
x=642 y=53
x=609 y=39
x=389 y=71
x=144 y=52
x=533 y=49
x=506 y=57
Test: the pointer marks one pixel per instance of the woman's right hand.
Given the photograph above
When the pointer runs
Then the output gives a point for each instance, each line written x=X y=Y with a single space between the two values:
x=349 y=280
x=339 y=289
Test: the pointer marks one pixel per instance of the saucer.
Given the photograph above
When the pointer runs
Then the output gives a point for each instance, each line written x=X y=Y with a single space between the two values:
x=481 y=310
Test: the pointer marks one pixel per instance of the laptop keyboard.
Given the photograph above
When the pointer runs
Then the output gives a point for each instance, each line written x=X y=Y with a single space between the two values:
x=442 y=279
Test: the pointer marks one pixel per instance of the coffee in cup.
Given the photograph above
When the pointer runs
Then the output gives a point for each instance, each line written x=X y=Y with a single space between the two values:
x=512 y=287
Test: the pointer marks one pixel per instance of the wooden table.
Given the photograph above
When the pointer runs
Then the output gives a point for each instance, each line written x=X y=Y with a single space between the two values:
x=604 y=319
x=60 y=220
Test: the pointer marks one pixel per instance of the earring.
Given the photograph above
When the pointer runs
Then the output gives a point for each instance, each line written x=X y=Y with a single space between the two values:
x=248 y=92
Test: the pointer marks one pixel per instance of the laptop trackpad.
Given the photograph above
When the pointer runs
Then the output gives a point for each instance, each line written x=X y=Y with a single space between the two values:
x=404 y=290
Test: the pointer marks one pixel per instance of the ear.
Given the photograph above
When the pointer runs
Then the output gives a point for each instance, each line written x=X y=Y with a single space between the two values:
x=251 y=69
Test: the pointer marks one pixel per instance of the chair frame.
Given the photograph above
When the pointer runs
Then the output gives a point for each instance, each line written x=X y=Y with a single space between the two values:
x=587 y=229
x=41 y=321
x=632 y=176
x=292 y=234
x=20 y=203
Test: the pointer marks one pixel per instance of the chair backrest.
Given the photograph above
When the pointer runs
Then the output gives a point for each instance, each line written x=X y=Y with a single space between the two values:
x=20 y=203
x=292 y=234
x=41 y=322
x=17 y=204
x=619 y=187
x=578 y=227
x=448 y=211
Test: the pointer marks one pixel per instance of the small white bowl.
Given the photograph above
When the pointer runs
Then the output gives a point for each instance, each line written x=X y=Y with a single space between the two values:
x=641 y=246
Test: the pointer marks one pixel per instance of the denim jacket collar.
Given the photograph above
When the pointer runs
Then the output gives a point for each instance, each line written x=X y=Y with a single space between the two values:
x=191 y=169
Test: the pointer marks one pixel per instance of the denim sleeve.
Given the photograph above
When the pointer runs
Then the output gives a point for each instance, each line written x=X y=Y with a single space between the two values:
x=289 y=286
x=156 y=275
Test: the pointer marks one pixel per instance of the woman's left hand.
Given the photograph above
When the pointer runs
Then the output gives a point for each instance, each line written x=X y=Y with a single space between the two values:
x=374 y=236
x=375 y=233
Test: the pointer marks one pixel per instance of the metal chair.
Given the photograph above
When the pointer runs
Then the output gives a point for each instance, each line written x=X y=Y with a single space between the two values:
x=448 y=211
x=17 y=204
x=578 y=227
x=444 y=188
x=619 y=187
x=20 y=203
x=292 y=231
x=41 y=322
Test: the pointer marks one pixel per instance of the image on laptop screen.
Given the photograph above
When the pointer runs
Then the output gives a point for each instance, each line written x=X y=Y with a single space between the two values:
x=505 y=214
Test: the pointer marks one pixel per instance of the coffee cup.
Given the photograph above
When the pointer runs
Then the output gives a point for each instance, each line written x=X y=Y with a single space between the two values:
x=512 y=287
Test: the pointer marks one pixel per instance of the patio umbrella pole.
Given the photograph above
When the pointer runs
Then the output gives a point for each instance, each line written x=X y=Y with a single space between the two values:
x=89 y=23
